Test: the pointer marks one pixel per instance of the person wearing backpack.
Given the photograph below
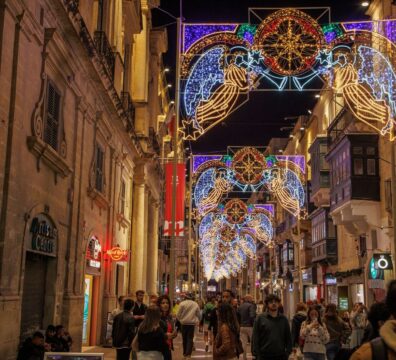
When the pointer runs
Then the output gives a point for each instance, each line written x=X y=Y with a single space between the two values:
x=207 y=314
x=383 y=347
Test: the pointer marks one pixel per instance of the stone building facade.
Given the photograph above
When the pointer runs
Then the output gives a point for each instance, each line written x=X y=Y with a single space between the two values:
x=82 y=111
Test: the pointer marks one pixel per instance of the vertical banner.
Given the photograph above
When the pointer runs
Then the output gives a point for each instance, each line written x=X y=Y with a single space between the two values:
x=180 y=198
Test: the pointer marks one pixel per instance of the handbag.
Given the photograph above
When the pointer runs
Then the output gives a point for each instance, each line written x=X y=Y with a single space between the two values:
x=301 y=342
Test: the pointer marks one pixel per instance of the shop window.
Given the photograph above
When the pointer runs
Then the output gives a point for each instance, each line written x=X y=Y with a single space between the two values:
x=371 y=167
x=99 y=168
x=358 y=166
x=51 y=129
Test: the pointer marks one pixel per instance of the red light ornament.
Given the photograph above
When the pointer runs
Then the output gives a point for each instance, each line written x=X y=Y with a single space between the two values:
x=118 y=254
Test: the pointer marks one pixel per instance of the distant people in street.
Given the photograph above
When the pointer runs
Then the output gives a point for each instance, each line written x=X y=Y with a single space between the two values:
x=62 y=341
x=189 y=316
x=298 y=319
x=358 y=323
x=207 y=314
x=260 y=307
x=377 y=315
x=167 y=323
x=150 y=340
x=32 y=348
x=339 y=331
x=139 y=309
x=383 y=347
x=123 y=331
x=153 y=299
x=247 y=315
x=225 y=344
x=50 y=337
x=315 y=336
x=271 y=338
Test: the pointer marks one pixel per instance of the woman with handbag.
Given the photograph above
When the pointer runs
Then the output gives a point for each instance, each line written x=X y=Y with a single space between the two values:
x=315 y=336
x=227 y=339
x=150 y=340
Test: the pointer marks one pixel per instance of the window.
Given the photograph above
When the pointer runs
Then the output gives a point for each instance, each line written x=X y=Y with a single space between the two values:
x=370 y=150
x=122 y=197
x=357 y=150
x=358 y=166
x=99 y=168
x=388 y=195
x=51 y=128
x=371 y=167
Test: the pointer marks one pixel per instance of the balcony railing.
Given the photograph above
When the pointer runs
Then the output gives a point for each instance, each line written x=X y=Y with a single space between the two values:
x=129 y=109
x=105 y=50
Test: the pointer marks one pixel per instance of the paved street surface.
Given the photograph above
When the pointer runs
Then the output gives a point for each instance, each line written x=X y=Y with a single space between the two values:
x=199 y=353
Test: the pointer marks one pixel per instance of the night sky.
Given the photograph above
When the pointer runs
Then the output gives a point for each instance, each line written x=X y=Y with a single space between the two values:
x=262 y=117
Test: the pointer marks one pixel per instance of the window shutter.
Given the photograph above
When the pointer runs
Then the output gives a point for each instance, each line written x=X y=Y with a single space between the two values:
x=99 y=168
x=52 y=117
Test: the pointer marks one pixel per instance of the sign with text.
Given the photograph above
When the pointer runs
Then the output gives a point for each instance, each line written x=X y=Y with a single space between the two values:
x=180 y=198
x=43 y=236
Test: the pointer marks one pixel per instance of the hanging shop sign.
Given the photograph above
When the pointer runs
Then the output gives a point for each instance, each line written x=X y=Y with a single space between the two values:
x=94 y=256
x=180 y=198
x=331 y=281
x=118 y=254
x=43 y=236
x=383 y=261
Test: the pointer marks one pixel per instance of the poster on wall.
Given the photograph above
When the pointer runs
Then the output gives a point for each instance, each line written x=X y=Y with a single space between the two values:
x=180 y=198
x=87 y=309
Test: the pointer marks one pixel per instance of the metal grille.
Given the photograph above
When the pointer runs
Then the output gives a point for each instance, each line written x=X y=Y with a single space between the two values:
x=52 y=117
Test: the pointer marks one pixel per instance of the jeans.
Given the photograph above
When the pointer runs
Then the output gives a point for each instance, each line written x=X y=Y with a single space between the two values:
x=188 y=339
x=332 y=349
x=246 y=336
x=314 y=356
x=123 y=354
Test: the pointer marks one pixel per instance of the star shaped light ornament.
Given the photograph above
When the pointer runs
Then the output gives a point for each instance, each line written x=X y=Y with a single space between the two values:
x=325 y=57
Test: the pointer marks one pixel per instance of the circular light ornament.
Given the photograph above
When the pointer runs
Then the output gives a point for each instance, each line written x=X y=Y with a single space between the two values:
x=382 y=263
x=290 y=41
x=248 y=166
x=235 y=211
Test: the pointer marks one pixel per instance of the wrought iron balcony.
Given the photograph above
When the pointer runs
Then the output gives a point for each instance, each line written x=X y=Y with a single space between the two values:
x=129 y=109
x=105 y=51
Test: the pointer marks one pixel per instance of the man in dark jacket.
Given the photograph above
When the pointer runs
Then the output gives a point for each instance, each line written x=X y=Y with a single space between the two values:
x=271 y=338
x=298 y=319
x=123 y=331
x=32 y=348
x=247 y=315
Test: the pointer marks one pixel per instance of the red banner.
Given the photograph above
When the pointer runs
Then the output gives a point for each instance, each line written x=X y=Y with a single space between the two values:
x=180 y=197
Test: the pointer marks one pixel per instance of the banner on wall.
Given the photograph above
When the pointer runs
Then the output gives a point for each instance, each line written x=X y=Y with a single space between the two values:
x=180 y=197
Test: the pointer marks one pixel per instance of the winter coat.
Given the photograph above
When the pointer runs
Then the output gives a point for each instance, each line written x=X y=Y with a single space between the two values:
x=189 y=313
x=30 y=351
x=247 y=313
x=388 y=334
x=224 y=346
x=298 y=319
x=338 y=329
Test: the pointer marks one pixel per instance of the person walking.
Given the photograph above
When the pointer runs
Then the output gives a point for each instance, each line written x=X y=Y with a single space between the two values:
x=123 y=331
x=339 y=331
x=189 y=316
x=167 y=323
x=383 y=347
x=377 y=315
x=32 y=348
x=207 y=313
x=117 y=310
x=247 y=315
x=139 y=309
x=298 y=319
x=150 y=340
x=358 y=323
x=225 y=342
x=315 y=336
x=271 y=339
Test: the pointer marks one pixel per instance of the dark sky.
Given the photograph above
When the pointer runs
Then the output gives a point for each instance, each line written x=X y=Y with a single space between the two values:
x=262 y=117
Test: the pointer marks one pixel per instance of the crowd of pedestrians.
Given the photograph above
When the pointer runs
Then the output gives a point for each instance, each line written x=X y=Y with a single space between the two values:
x=234 y=328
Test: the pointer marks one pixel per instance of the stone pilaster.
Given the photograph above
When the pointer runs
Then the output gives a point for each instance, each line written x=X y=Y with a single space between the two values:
x=152 y=248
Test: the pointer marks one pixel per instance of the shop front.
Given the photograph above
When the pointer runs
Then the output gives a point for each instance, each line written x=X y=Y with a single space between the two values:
x=331 y=290
x=93 y=269
x=380 y=269
x=309 y=280
x=39 y=283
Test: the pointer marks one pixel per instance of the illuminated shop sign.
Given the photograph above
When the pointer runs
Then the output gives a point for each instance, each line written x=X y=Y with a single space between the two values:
x=94 y=254
x=44 y=236
x=118 y=254
x=383 y=261
x=331 y=281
